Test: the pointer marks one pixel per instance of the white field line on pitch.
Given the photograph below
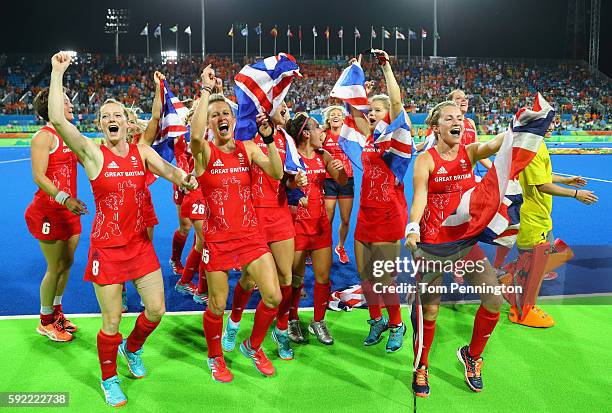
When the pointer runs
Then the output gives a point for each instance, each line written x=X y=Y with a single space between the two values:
x=586 y=177
x=15 y=160
x=173 y=313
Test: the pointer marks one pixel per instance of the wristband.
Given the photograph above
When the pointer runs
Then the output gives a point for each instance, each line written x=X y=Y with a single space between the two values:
x=268 y=139
x=413 y=228
x=208 y=89
x=61 y=197
x=576 y=193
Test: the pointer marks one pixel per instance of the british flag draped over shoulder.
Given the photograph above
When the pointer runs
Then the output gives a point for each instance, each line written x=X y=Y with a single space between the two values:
x=351 y=90
x=485 y=212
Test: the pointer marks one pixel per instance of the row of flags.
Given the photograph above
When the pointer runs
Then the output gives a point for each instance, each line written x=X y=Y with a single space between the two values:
x=158 y=30
x=243 y=29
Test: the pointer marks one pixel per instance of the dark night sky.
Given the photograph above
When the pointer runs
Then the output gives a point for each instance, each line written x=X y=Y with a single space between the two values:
x=490 y=28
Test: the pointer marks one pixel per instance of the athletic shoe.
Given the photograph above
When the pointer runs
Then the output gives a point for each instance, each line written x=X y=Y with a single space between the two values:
x=176 y=267
x=69 y=326
x=341 y=253
x=536 y=317
x=260 y=361
x=550 y=276
x=200 y=298
x=228 y=341
x=420 y=382
x=396 y=338
x=124 y=306
x=319 y=329
x=308 y=260
x=134 y=360
x=55 y=331
x=295 y=332
x=472 y=368
x=186 y=289
x=219 y=370
x=281 y=338
x=377 y=327
x=112 y=392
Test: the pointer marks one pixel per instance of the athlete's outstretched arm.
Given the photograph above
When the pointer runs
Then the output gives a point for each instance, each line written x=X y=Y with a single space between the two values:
x=422 y=167
x=393 y=88
x=335 y=168
x=478 y=151
x=582 y=195
x=87 y=150
x=150 y=132
x=161 y=167
x=272 y=164
x=199 y=121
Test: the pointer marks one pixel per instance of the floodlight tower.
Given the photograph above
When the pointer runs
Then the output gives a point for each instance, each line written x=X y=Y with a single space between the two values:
x=117 y=22
x=594 y=37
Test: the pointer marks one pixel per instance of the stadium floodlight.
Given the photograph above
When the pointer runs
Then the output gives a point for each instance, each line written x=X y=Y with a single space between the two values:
x=117 y=22
x=169 y=56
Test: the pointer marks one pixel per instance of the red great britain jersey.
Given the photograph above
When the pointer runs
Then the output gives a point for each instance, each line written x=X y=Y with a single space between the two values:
x=378 y=189
x=268 y=192
x=469 y=133
x=447 y=183
x=119 y=194
x=331 y=145
x=226 y=187
x=150 y=175
x=61 y=170
x=315 y=171
x=182 y=154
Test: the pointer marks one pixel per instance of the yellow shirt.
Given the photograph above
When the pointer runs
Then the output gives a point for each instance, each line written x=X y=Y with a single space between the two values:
x=536 y=220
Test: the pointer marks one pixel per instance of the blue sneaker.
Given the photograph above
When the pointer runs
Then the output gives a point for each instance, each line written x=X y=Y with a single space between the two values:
x=112 y=392
x=186 y=289
x=124 y=306
x=134 y=360
x=281 y=338
x=396 y=338
x=228 y=341
x=200 y=298
x=472 y=368
x=377 y=327
x=420 y=382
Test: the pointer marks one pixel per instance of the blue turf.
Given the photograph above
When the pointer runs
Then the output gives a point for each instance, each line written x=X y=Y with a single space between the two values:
x=586 y=229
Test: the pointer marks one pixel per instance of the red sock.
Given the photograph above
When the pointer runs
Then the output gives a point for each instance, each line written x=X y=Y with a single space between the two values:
x=178 y=243
x=46 y=319
x=321 y=298
x=375 y=311
x=296 y=296
x=429 y=329
x=395 y=315
x=239 y=302
x=282 y=317
x=191 y=266
x=57 y=309
x=202 y=283
x=263 y=318
x=213 y=328
x=139 y=334
x=107 y=353
x=500 y=256
x=484 y=323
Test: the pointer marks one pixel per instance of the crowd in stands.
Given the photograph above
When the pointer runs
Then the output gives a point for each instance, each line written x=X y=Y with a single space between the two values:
x=497 y=87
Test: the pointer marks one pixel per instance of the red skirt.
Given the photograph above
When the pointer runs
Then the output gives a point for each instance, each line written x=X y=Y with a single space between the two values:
x=193 y=206
x=52 y=224
x=380 y=224
x=313 y=234
x=225 y=255
x=276 y=224
x=177 y=195
x=117 y=265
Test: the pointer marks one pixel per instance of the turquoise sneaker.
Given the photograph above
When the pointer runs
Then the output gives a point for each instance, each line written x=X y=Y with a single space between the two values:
x=112 y=392
x=228 y=341
x=201 y=299
x=396 y=338
x=134 y=360
x=285 y=352
x=377 y=327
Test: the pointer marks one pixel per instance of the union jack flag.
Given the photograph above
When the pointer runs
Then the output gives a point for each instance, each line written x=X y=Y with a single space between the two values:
x=171 y=123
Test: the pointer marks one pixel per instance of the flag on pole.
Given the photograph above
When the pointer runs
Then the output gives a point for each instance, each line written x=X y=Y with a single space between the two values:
x=341 y=33
x=258 y=29
x=260 y=88
x=436 y=35
x=289 y=32
x=314 y=31
x=300 y=33
x=423 y=34
x=386 y=34
x=157 y=31
x=245 y=30
x=357 y=34
x=171 y=123
x=188 y=30
x=231 y=31
x=327 y=33
x=274 y=31
x=145 y=31
x=174 y=28
x=373 y=34
x=399 y=36
x=400 y=145
x=411 y=35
